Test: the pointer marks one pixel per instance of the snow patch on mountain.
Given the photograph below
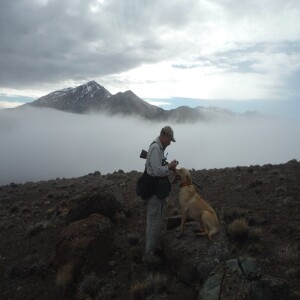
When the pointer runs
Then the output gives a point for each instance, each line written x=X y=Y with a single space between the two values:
x=91 y=88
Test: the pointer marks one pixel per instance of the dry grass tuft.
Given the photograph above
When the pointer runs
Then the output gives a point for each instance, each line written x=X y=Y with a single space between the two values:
x=290 y=202
x=36 y=228
x=293 y=272
x=280 y=191
x=287 y=253
x=238 y=229
x=154 y=284
x=65 y=275
x=138 y=291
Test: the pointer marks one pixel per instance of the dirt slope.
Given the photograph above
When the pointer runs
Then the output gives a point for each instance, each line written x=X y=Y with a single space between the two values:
x=33 y=215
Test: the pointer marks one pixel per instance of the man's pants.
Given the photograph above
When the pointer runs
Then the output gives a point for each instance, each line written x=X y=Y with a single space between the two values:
x=155 y=208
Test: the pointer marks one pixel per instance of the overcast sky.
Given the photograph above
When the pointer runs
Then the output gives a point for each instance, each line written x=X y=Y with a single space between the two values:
x=210 y=49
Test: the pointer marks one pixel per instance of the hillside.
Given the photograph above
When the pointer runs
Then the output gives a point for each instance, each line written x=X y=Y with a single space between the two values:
x=84 y=238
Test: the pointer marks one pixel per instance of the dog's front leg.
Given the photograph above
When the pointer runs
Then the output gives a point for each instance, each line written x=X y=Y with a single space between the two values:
x=184 y=215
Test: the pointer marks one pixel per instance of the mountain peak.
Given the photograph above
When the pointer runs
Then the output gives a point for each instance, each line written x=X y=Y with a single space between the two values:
x=90 y=88
x=92 y=82
x=78 y=99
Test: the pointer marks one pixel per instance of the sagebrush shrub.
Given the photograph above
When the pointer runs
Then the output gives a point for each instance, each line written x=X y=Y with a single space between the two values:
x=238 y=229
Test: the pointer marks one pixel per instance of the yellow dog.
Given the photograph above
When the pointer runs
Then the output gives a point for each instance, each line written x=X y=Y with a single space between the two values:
x=194 y=207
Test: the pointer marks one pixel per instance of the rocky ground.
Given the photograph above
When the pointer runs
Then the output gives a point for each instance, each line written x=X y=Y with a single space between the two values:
x=84 y=238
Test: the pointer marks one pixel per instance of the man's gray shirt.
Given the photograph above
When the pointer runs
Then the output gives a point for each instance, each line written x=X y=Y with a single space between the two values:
x=154 y=160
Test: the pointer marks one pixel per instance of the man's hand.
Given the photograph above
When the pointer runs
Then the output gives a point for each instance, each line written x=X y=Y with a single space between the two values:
x=172 y=165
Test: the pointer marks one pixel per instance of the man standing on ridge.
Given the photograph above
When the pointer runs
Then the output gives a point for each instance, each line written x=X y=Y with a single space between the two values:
x=157 y=167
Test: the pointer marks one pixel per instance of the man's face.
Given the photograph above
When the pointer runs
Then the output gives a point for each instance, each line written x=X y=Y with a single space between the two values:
x=165 y=141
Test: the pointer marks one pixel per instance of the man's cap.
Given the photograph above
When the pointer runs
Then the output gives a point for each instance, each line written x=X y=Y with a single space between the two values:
x=169 y=131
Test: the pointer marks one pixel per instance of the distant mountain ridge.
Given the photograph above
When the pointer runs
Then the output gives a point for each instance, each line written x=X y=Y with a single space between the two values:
x=92 y=97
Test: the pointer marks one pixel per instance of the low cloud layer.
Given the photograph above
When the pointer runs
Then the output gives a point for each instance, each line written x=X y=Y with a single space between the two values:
x=42 y=144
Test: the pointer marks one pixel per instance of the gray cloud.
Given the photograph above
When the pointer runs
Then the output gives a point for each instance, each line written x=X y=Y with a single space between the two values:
x=60 y=40
x=63 y=43
x=46 y=144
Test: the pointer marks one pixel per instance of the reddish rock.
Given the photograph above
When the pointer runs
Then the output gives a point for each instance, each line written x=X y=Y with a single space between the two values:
x=102 y=202
x=86 y=245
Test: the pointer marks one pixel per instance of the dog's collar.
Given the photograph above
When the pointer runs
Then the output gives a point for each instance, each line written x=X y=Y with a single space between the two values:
x=185 y=183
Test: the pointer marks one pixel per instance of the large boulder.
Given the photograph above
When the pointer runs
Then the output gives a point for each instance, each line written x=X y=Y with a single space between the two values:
x=85 y=246
x=242 y=278
x=192 y=257
x=102 y=202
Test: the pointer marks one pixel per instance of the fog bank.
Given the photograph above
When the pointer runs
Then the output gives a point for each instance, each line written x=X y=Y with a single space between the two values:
x=42 y=144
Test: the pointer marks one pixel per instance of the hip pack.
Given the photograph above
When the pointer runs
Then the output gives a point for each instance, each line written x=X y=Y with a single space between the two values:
x=148 y=186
